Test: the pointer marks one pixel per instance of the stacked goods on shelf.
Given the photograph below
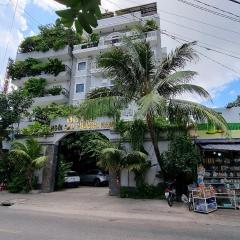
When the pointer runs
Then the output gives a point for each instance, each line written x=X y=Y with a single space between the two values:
x=204 y=200
x=224 y=175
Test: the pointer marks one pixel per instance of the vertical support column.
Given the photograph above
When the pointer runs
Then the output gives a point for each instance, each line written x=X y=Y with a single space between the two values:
x=49 y=171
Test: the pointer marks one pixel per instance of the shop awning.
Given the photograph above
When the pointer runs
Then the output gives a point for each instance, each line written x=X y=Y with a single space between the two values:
x=223 y=147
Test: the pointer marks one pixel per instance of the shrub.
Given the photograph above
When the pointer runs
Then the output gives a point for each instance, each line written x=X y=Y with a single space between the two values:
x=18 y=184
x=37 y=129
x=143 y=192
x=56 y=90
x=35 y=87
x=54 y=37
x=33 y=67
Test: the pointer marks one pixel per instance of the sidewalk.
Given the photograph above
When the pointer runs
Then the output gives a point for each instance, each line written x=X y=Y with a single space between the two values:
x=95 y=202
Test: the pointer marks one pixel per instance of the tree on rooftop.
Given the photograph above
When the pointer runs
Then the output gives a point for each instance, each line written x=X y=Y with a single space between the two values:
x=153 y=86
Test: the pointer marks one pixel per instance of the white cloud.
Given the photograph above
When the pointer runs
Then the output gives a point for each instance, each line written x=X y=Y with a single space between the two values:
x=48 y=5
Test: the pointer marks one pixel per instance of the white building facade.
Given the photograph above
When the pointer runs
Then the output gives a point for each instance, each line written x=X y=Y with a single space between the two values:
x=82 y=75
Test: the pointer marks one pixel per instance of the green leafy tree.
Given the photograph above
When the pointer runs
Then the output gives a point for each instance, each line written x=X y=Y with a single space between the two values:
x=80 y=13
x=152 y=86
x=12 y=107
x=180 y=161
x=54 y=36
x=26 y=158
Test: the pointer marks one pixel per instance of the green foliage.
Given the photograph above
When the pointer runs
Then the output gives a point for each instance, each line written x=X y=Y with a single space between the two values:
x=137 y=163
x=54 y=111
x=94 y=37
x=150 y=25
x=24 y=159
x=112 y=160
x=143 y=192
x=35 y=87
x=56 y=90
x=63 y=168
x=81 y=14
x=134 y=131
x=154 y=87
x=181 y=158
x=12 y=107
x=37 y=129
x=33 y=67
x=18 y=184
x=53 y=37
x=235 y=103
x=54 y=66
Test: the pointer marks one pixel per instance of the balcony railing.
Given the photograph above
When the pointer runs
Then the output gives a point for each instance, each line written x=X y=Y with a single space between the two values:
x=59 y=99
x=63 y=54
x=61 y=77
x=104 y=42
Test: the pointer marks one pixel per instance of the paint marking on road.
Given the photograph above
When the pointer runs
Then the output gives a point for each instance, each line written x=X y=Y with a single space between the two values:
x=9 y=231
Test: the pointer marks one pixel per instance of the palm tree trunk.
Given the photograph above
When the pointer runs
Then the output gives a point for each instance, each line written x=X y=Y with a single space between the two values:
x=114 y=183
x=154 y=140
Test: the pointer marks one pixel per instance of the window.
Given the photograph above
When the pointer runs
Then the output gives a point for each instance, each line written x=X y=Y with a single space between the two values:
x=81 y=66
x=79 y=88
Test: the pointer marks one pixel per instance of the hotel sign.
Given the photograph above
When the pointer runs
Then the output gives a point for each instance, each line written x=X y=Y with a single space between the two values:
x=75 y=123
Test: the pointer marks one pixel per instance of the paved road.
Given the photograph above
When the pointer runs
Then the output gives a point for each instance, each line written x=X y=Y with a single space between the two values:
x=21 y=225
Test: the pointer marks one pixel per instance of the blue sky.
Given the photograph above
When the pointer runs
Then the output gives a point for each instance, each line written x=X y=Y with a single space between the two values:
x=222 y=82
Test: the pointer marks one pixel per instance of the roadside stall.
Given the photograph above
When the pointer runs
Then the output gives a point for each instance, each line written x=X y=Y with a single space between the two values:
x=221 y=160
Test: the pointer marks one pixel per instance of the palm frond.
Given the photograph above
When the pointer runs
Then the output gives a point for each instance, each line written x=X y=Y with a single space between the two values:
x=152 y=104
x=102 y=92
x=179 y=77
x=177 y=59
x=39 y=162
x=111 y=159
x=19 y=146
x=102 y=106
x=20 y=154
x=188 y=88
x=135 y=161
x=34 y=148
x=198 y=112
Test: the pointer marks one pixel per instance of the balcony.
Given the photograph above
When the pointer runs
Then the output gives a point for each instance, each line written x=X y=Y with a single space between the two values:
x=118 y=22
x=105 y=43
x=61 y=77
x=63 y=54
x=46 y=100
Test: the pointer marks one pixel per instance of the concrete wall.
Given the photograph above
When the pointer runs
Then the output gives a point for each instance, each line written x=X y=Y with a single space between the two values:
x=128 y=178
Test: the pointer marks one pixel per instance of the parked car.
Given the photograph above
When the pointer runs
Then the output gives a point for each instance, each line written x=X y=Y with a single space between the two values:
x=72 y=179
x=95 y=177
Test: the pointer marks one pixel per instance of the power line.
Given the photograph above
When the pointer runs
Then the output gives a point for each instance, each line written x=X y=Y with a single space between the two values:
x=209 y=10
x=207 y=44
x=214 y=7
x=10 y=32
x=234 y=1
x=204 y=33
x=165 y=32
x=211 y=59
x=201 y=22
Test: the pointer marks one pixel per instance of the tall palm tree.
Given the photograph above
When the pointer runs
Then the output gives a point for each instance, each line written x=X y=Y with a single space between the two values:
x=153 y=86
x=27 y=158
